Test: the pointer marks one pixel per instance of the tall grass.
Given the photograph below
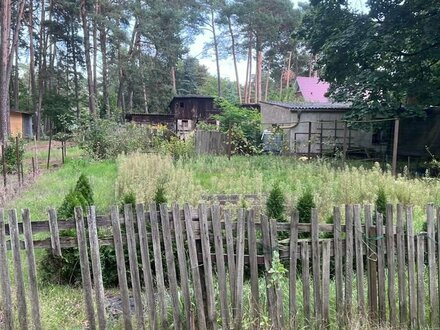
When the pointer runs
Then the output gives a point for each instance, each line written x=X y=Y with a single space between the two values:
x=189 y=179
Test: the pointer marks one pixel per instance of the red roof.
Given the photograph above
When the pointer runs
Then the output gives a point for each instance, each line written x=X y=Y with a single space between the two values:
x=313 y=90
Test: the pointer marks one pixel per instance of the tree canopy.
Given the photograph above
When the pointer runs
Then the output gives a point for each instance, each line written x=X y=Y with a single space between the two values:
x=386 y=60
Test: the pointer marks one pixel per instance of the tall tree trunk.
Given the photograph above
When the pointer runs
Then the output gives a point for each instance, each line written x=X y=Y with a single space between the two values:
x=173 y=79
x=105 y=95
x=42 y=69
x=249 y=86
x=234 y=57
x=266 y=92
x=6 y=58
x=33 y=85
x=16 y=81
x=95 y=48
x=75 y=69
x=92 y=107
x=217 y=60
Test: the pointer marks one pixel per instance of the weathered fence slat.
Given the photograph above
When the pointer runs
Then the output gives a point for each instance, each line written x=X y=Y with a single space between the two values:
x=207 y=265
x=85 y=267
x=171 y=266
x=157 y=252
x=54 y=232
x=411 y=269
x=120 y=262
x=432 y=266
x=371 y=263
x=35 y=301
x=220 y=262
x=390 y=263
x=359 y=242
x=401 y=265
x=338 y=263
x=4 y=279
x=19 y=280
x=348 y=259
x=305 y=277
x=325 y=284
x=421 y=281
x=134 y=268
x=231 y=254
x=293 y=256
x=183 y=271
x=316 y=263
x=241 y=232
x=278 y=293
x=270 y=292
x=96 y=268
x=146 y=266
x=194 y=263
x=381 y=268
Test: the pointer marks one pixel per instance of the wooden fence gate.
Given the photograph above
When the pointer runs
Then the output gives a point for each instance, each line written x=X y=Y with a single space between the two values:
x=210 y=268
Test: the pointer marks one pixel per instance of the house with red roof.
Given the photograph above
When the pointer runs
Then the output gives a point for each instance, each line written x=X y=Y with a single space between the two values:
x=311 y=89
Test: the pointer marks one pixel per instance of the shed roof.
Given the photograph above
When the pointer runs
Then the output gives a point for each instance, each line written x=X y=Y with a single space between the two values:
x=311 y=106
x=312 y=89
x=193 y=97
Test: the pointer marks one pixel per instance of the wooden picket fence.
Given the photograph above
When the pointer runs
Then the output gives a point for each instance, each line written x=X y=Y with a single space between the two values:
x=378 y=271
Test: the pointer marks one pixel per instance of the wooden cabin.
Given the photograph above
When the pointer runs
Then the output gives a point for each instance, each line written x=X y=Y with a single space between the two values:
x=21 y=124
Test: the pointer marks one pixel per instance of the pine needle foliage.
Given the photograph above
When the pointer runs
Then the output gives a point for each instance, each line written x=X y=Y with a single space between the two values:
x=275 y=205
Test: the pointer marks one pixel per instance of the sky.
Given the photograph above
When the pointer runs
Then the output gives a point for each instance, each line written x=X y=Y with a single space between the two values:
x=227 y=65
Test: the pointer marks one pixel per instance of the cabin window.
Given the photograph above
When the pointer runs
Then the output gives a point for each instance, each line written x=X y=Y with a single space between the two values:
x=182 y=105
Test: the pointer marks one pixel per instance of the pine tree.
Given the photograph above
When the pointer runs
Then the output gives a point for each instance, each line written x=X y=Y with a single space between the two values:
x=275 y=207
x=84 y=188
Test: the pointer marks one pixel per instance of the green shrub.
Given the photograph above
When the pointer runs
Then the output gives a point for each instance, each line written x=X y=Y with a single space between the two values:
x=381 y=203
x=159 y=195
x=11 y=155
x=305 y=206
x=73 y=199
x=128 y=198
x=83 y=187
x=275 y=205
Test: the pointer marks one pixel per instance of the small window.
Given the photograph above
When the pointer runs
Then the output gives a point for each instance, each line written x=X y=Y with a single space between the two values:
x=181 y=104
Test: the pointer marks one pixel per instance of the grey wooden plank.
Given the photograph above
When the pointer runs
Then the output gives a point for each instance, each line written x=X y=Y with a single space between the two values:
x=270 y=292
x=54 y=232
x=432 y=267
x=278 y=293
x=305 y=276
x=96 y=268
x=122 y=272
x=391 y=265
x=33 y=285
x=220 y=263
x=158 y=266
x=18 y=273
x=412 y=288
x=401 y=266
x=381 y=268
x=338 y=253
x=421 y=281
x=194 y=263
x=252 y=248
x=231 y=254
x=207 y=266
x=4 y=278
x=146 y=266
x=134 y=267
x=348 y=259
x=239 y=269
x=371 y=262
x=316 y=262
x=183 y=266
x=358 y=233
x=85 y=267
x=293 y=257
x=325 y=284
x=171 y=266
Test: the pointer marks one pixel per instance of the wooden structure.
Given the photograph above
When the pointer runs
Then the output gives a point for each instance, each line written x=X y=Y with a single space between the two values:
x=152 y=119
x=394 y=271
x=210 y=143
x=21 y=124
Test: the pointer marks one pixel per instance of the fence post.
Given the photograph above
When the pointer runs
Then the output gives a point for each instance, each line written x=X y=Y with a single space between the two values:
x=293 y=254
x=395 y=145
x=54 y=233
x=85 y=267
x=4 y=279
x=4 y=165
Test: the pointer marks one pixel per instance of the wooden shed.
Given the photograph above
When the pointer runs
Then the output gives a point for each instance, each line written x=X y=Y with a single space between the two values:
x=21 y=124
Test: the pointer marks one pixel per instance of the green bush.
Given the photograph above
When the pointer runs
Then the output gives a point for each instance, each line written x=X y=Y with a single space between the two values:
x=275 y=205
x=11 y=155
x=304 y=207
x=73 y=199
x=381 y=203
x=128 y=198
x=159 y=195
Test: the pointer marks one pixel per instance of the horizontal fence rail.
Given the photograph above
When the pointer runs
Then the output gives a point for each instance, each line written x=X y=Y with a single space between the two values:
x=190 y=267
